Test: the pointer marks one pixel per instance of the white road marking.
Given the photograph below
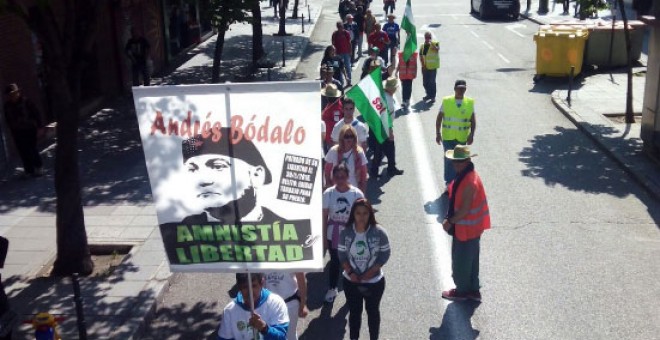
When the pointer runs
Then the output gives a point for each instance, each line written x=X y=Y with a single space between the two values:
x=488 y=45
x=475 y=34
x=513 y=27
x=503 y=57
x=430 y=191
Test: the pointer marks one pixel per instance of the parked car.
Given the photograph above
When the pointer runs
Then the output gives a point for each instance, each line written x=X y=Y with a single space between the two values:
x=495 y=8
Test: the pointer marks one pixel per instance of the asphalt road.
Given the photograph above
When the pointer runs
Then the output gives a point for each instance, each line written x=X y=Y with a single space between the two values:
x=573 y=252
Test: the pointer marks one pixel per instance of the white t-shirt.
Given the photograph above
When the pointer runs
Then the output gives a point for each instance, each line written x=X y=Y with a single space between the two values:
x=349 y=158
x=235 y=319
x=361 y=128
x=339 y=204
x=283 y=284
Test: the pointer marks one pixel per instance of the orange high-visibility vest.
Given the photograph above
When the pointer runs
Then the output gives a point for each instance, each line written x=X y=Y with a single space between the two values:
x=478 y=218
x=408 y=70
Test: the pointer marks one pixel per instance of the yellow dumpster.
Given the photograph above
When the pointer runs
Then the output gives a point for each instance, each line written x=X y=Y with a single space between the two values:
x=557 y=49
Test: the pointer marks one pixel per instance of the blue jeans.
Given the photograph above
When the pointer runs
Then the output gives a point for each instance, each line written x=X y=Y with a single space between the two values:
x=450 y=174
x=428 y=80
x=346 y=57
x=465 y=264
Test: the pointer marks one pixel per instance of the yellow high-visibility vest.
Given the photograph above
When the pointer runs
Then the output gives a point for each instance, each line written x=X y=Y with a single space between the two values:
x=456 y=121
x=432 y=56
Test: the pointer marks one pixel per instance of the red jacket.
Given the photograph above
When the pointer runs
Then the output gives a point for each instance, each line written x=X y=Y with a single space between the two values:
x=341 y=40
x=378 y=39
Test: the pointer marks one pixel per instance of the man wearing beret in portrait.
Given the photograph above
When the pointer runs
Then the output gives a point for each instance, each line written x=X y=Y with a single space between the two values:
x=226 y=178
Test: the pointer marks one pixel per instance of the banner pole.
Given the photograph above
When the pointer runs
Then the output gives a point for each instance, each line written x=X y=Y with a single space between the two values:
x=255 y=332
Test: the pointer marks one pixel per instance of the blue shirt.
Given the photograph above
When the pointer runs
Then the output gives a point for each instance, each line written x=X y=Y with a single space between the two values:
x=391 y=29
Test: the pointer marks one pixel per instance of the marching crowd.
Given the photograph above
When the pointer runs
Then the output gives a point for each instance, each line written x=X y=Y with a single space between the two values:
x=357 y=244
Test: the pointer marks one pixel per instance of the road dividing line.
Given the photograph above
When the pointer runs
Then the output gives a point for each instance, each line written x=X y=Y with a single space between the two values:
x=475 y=34
x=503 y=58
x=430 y=191
x=488 y=45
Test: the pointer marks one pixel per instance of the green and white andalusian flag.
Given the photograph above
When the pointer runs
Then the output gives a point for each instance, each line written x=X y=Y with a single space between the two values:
x=408 y=25
x=369 y=98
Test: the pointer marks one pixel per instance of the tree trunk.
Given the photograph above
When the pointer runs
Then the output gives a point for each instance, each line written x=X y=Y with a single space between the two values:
x=294 y=15
x=65 y=47
x=282 y=29
x=630 y=116
x=257 y=34
x=217 y=53
x=73 y=255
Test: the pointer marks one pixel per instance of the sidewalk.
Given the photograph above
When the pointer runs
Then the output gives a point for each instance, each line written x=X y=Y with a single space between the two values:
x=598 y=101
x=117 y=200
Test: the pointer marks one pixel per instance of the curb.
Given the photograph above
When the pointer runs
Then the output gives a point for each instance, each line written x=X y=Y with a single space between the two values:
x=532 y=19
x=652 y=188
x=159 y=285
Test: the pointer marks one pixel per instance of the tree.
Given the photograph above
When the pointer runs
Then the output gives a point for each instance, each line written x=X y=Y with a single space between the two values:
x=66 y=41
x=257 y=34
x=630 y=117
x=282 y=28
x=225 y=13
x=294 y=15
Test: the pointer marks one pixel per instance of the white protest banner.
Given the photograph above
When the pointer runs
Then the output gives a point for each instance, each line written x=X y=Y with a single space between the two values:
x=235 y=172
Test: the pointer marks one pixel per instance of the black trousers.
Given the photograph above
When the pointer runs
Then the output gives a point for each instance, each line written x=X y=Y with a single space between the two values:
x=565 y=5
x=26 y=144
x=406 y=89
x=367 y=296
x=140 y=70
x=386 y=149
x=333 y=267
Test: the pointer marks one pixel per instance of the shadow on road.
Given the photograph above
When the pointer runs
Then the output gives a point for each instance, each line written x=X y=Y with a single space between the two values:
x=326 y=326
x=456 y=322
x=562 y=159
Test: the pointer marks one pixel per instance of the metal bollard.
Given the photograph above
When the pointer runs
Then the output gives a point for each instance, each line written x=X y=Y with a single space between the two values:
x=268 y=73
x=309 y=14
x=302 y=22
x=570 y=85
x=82 y=327
x=283 y=58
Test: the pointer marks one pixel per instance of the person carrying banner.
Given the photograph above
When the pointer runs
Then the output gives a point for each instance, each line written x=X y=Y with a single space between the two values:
x=387 y=148
x=348 y=151
x=467 y=218
x=455 y=124
x=241 y=317
x=337 y=203
x=363 y=250
x=348 y=107
x=211 y=165
x=429 y=57
x=292 y=287
x=407 y=65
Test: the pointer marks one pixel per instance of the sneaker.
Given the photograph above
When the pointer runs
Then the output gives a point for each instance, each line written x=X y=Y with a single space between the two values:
x=453 y=295
x=474 y=296
x=431 y=100
x=426 y=98
x=331 y=295
x=394 y=172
